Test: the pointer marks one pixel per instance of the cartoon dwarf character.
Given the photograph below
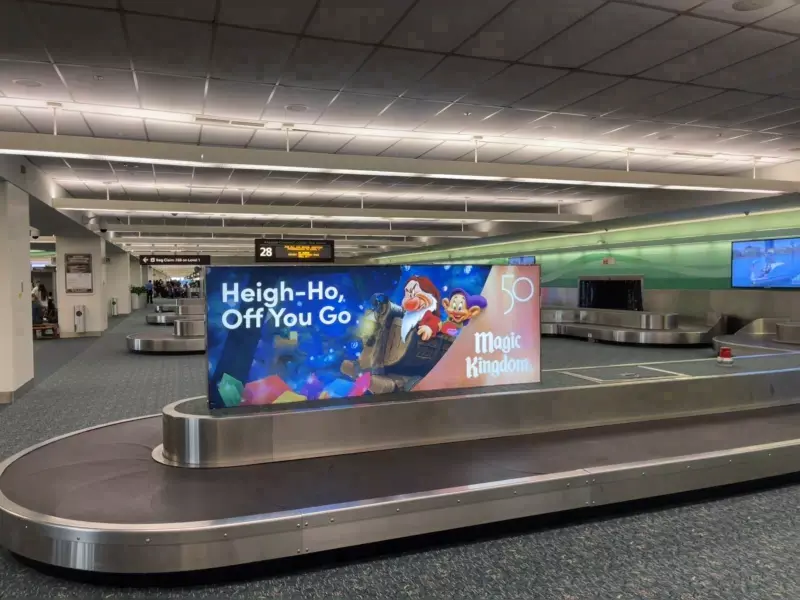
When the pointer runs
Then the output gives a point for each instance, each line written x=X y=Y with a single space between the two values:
x=461 y=307
x=421 y=300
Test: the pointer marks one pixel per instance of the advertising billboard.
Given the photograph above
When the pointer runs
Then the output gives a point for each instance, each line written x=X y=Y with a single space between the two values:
x=766 y=264
x=279 y=335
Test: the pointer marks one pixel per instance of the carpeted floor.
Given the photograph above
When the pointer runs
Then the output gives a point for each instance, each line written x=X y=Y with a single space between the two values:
x=739 y=548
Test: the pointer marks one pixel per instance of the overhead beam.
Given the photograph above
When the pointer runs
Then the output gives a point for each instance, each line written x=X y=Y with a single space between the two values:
x=294 y=231
x=256 y=211
x=217 y=241
x=33 y=144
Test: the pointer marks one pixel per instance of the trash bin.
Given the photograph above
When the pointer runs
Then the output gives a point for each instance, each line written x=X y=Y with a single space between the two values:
x=114 y=307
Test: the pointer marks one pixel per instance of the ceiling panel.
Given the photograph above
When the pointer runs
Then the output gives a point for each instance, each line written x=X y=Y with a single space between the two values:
x=449 y=151
x=367 y=146
x=661 y=44
x=274 y=140
x=31 y=80
x=602 y=31
x=392 y=71
x=634 y=134
x=505 y=121
x=453 y=77
x=457 y=118
x=58 y=24
x=592 y=160
x=69 y=123
x=315 y=101
x=278 y=15
x=236 y=99
x=153 y=45
x=565 y=127
x=164 y=131
x=249 y=55
x=407 y=114
x=668 y=100
x=442 y=25
x=743 y=114
x=323 y=64
x=357 y=20
x=515 y=82
x=562 y=157
x=525 y=155
x=409 y=148
x=630 y=91
x=787 y=20
x=322 y=142
x=786 y=117
x=18 y=40
x=165 y=92
x=198 y=10
x=737 y=46
x=525 y=25
x=568 y=90
x=353 y=110
x=758 y=71
x=698 y=111
x=101 y=86
x=724 y=9
x=225 y=136
x=109 y=126
x=491 y=152
x=12 y=120
x=672 y=4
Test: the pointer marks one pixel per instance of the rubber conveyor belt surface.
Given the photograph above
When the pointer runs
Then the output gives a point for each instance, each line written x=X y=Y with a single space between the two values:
x=108 y=475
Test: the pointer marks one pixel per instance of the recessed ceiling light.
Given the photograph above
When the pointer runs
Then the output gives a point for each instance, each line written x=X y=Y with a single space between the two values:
x=28 y=83
x=664 y=138
x=298 y=108
x=748 y=5
x=545 y=127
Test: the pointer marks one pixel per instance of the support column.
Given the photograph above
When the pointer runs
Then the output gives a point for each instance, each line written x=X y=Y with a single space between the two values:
x=138 y=280
x=16 y=317
x=82 y=289
x=119 y=283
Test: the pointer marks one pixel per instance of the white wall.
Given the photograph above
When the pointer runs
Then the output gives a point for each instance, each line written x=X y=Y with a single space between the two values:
x=96 y=304
x=16 y=338
x=119 y=281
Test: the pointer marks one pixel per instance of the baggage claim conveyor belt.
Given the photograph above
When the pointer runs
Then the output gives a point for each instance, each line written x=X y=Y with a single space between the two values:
x=99 y=500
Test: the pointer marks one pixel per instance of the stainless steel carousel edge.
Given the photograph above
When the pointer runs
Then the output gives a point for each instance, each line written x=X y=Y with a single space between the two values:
x=173 y=547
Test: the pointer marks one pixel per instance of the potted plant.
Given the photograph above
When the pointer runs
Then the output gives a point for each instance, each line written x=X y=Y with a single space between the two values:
x=136 y=292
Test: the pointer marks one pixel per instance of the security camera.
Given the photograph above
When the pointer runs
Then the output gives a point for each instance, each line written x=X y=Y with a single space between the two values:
x=103 y=229
x=747 y=213
x=34 y=233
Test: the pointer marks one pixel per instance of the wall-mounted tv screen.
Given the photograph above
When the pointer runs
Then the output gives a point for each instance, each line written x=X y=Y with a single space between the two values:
x=766 y=263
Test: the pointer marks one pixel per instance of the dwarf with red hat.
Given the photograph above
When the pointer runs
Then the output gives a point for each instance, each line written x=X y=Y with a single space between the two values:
x=422 y=308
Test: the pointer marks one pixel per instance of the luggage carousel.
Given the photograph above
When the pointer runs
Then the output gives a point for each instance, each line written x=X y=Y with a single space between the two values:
x=96 y=500
x=628 y=327
x=188 y=336
x=763 y=336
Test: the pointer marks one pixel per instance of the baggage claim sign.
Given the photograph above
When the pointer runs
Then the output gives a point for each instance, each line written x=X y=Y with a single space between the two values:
x=287 y=334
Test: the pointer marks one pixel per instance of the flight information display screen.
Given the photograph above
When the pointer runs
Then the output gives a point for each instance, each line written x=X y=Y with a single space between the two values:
x=766 y=263
x=299 y=251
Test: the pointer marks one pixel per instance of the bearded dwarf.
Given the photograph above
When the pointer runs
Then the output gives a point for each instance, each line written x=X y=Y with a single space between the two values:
x=421 y=301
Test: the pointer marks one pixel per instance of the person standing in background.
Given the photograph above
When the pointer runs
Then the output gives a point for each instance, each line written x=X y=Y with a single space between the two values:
x=149 y=288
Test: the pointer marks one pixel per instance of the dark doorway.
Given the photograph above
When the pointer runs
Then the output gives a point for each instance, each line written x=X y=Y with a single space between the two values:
x=615 y=294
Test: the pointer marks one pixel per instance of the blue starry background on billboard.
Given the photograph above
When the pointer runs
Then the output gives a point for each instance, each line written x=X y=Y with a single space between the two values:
x=281 y=360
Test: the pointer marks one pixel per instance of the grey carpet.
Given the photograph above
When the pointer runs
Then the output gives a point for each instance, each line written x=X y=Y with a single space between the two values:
x=741 y=548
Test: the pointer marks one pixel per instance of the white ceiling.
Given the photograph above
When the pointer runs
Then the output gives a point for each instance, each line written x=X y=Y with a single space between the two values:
x=669 y=75
x=683 y=86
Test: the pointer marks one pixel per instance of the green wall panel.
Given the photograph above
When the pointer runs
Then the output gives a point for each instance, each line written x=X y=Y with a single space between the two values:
x=703 y=265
